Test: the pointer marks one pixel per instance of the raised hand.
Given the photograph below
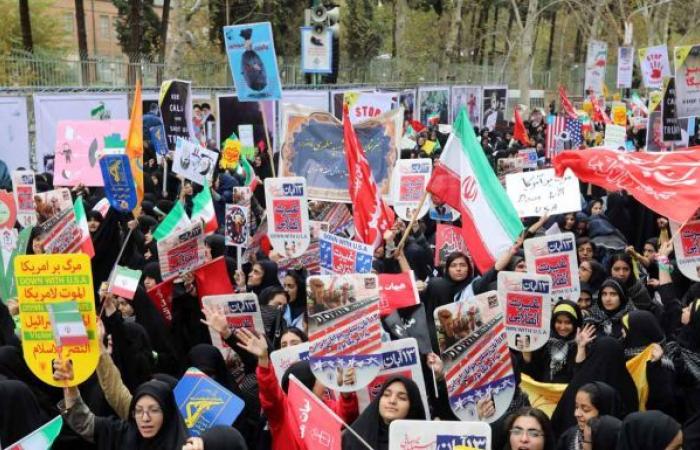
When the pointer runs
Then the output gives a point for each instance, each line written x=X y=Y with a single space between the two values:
x=216 y=320
x=255 y=344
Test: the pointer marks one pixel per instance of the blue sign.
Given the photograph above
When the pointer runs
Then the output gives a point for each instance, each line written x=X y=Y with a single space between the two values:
x=251 y=55
x=339 y=255
x=157 y=135
x=119 y=182
x=204 y=403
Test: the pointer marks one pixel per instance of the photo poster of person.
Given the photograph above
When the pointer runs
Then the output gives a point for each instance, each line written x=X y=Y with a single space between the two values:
x=494 y=103
x=434 y=105
x=655 y=142
x=234 y=113
x=175 y=103
x=470 y=98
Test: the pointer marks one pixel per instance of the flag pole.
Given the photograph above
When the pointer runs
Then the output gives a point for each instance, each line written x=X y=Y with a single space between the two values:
x=121 y=252
x=270 y=152
x=165 y=176
x=413 y=220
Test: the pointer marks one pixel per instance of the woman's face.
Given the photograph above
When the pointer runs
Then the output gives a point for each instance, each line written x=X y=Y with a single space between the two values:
x=563 y=325
x=584 y=300
x=662 y=222
x=278 y=300
x=394 y=403
x=290 y=285
x=649 y=251
x=148 y=416
x=521 y=267
x=93 y=225
x=610 y=298
x=288 y=339
x=188 y=189
x=569 y=222
x=125 y=308
x=149 y=283
x=37 y=246
x=526 y=434
x=596 y=209
x=585 y=271
x=458 y=269
x=620 y=270
x=256 y=275
x=585 y=252
x=584 y=409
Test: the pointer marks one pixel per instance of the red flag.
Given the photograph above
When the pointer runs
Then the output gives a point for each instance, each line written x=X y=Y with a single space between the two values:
x=162 y=297
x=212 y=278
x=668 y=182
x=417 y=126
x=371 y=215
x=315 y=425
x=396 y=290
x=566 y=103
x=520 y=132
x=599 y=114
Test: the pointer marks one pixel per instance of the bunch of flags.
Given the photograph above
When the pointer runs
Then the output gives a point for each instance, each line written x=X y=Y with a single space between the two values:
x=177 y=219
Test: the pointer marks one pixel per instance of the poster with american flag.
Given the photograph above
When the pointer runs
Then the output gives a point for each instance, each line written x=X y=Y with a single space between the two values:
x=344 y=330
x=562 y=133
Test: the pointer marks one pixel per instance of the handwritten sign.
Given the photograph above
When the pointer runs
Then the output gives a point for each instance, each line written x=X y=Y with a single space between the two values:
x=555 y=255
x=439 y=435
x=615 y=137
x=8 y=210
x=118 y=181
x=44 y=280
x=527 y=303
x=194 y=162
x=340 y=255
x=241 y=311
x=182 y=252
x=686 y=244
x=287 y=215
x=344 y=330
x=448 y=239
x=24 y=189
x=410 y=179
x=540 y=192
x=397 y=290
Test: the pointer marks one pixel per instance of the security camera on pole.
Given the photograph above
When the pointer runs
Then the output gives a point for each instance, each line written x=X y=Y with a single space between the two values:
x=319 y=41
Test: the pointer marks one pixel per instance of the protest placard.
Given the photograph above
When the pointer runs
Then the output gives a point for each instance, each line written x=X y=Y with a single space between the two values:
x=309 y=261
x=344 y=330
x=182 y=251
x=366 y=105
x=204 y=403
x=655 y=133
x=316 y=50
x=397 y=290
x=527 y=158
x=15 y=244
x=443 y=213
x=439 y=435
x=61 y=233
x=251 y=56
x=118 y=181
x=175 y=102
x=409 y=182
x=58 y=286
x=686 y=244
x=527 y=302
x=669 y=119
x=8 y=210
x=687 y=63
x=316 y=228
x=625 y=66
x=241 y=311
x=236 y=228
x=540 y=192
x=287 y=215
x=615 y=137
x=596 y=60
x=655 y=66
x=555 y=255
x=448 y=239
x=194 y=162
x=337 y=215
x=399 y=357
x=24 y=189
x=456 y=321
x=339 y=255
x=284 y=357
x=618 y=114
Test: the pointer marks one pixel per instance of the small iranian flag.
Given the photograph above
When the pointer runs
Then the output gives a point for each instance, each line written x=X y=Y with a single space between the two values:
x=175 y=220
x=124 y=282
x=67 y=323
x=81 y=219
x=40 y=439
x=434 y=118
x=203 y=209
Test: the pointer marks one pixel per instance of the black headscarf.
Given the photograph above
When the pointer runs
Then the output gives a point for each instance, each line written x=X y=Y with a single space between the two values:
x=370 y=425
x=691 y=431
x=689 y=335
x=648 y=430
x=641 y=329
x=302 y=371
x=223 y=438
x=269 y=278
x=598 y=275
x=609 y=322
x=604 y=432
x=152 y=270
x=298 y=306
x=20 y=414
x=209 y=360
x=216 y=244
x=133 y=354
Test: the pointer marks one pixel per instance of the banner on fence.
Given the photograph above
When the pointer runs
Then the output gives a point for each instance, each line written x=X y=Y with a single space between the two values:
x=596 y=61
x=655 y=65
x=14 y=133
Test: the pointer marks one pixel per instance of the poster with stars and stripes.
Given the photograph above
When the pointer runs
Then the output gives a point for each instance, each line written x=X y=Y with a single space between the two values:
x=439 y=435
x=344 y=330
x=340 y=255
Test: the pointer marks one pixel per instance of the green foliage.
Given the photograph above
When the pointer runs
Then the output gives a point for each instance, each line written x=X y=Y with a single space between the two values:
x=147 y=42
x=361 y=38
x=48 y=30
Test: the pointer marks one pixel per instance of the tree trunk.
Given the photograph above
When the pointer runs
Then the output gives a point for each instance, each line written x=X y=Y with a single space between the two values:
x=482 y=37
x=552 y=27
x=82 y=41
x=165 y=18
x=177 y=39
x=399 y=31
x=483 y=11
x=492 y=53
x=453 y=33
x=26 y=25
x=134 y=21
x=526 y=50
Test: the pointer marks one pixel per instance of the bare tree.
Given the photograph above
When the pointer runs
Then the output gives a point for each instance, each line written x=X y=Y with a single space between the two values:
x=527 y=40
x=26 y=25
x=82 y=41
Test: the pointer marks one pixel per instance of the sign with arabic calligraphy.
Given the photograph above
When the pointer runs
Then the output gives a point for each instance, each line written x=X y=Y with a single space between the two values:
x=182 y=252
x=397 y=290
x=448 y=239
x=687 y=63
x=47 y=279
x=23 y=188
x=287 y=215
x=439 y=435
x=118 y=181
x=686 y=244
x=204 y=403
x=527 y=302
x=241 y=311
x=408 y=186
x=540 y=192
x=555 y=255
x=399 y=357
x=344 y=330
x=340 y=255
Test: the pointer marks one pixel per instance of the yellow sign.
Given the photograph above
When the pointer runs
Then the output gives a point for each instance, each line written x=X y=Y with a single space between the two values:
x=44 y=280
x=619 y=113
x=231 y=154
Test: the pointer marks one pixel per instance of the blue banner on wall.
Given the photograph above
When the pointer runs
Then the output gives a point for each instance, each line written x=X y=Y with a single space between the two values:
x=119 y=182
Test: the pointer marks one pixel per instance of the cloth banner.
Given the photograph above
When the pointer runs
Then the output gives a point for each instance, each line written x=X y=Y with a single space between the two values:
x=24 y=189
x=397 y=290
x=339 y=255
x=686 y=244
x=241 y=311
x=118 y=181
x=175 y=102
x=439 y=435
x=687 y=63
x=596 y=60
x=315 y=425
x=625 y=66
x=540 y=192
x=408 y=186
x=555 y=255
x=14 y=133
x=543 y=396
x=181 y=252
x=287 y=215
x=527 y=301
x=655 y=65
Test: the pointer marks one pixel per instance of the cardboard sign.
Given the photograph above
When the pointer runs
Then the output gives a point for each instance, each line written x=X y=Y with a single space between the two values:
x=618 y=114
x=479 y=366
x=194 y=162
x=310 y=261
x=12 y=245
x=204 y=403
x=625 y=66
x=61 y=233
x=439 y=435
x=686 y=244
x=409 y=182
x=182 y=252
x=443 y=213
x=283 y=358
x=251 y=56
x=344 y=330
x=687 y=63
x=448 y=239
x=655 y=66
x=340 y=255
x=527 y=158
x=366 y=105
x=540 y=192
x=24 y=189
x=47 y=280
x=397 y=290
x=81 y=144
x=236 y=229
x=175 y=102
x=316 y=228
x=118 y=181
x=241 y=311
x=555 y=255
x=669 y=120
x=458 y=320
x=8 y=210
x=615 y=137
x=287 y=215
x=527 y=301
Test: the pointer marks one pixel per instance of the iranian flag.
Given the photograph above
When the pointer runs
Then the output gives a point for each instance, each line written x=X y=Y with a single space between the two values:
x=463 y=179
x=81 y=219
x=40 y=439
x=67 y=324
x=175 y=220
x=203 y=209
x=124 y=282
